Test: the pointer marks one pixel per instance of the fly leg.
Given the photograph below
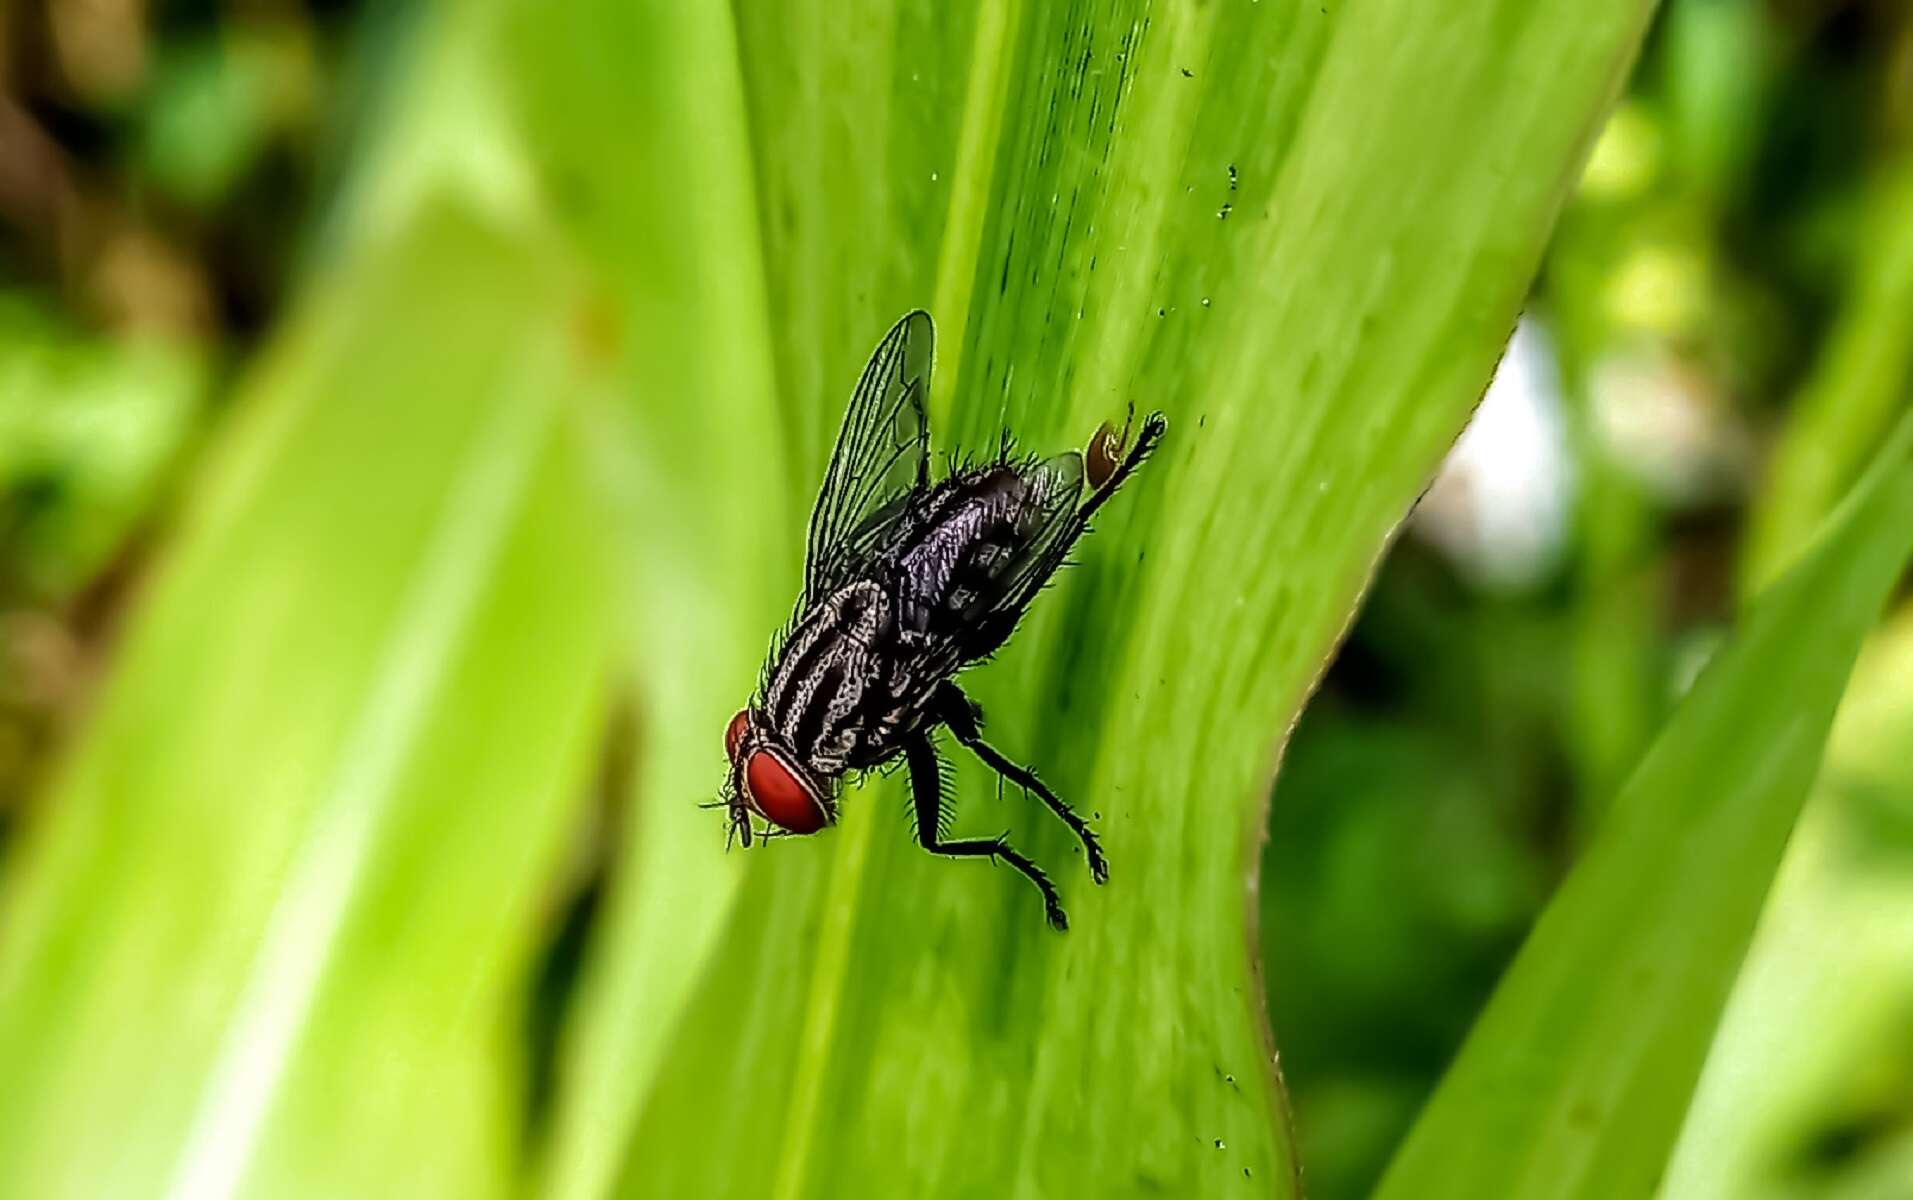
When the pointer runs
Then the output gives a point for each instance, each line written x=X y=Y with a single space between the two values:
x=926 y=788
x=960 y=713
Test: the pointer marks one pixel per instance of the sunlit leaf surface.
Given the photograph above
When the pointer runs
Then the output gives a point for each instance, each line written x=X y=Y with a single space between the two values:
x=1301 y=230
x=268 y=937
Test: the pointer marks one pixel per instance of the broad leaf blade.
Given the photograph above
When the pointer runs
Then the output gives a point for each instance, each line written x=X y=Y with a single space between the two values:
x=650 y=167
x=1303 y=233
x=282 y=893
x=1575 y=1080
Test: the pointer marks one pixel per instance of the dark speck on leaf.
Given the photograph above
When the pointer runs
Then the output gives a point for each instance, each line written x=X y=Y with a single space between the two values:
x=1219 y=1144
x=1188 y=74
x=1162 y=312
x=1232 y=177
x=1222 y=214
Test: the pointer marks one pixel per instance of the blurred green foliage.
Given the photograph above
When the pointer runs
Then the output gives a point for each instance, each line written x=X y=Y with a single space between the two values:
x=1735 y=250
x=1575 y=1080
x=90 y=431
x=315 y=892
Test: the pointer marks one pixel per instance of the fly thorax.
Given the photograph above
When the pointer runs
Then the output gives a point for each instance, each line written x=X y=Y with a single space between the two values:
x=817 y=691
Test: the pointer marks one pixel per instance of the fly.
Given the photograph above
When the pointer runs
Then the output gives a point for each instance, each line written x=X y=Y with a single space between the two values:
x=907 y=581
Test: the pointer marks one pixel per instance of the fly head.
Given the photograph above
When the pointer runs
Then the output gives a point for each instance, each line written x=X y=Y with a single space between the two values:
x=767 y=781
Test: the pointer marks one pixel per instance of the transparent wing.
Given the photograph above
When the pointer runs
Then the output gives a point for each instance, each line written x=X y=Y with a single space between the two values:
x=975 y=622
x=882 y=455
x=1056 y=484
x=1059 y=484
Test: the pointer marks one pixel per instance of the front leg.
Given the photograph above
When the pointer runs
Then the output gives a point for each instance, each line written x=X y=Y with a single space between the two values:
x=926 y=790
x=957 y=711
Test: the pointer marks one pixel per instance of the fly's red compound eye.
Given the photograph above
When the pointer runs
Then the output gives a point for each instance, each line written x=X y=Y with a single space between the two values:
x=734 y=732
x=780 y=796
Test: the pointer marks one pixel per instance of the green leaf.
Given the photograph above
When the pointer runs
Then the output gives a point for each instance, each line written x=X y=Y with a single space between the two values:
x=1860 y=383
x=90 y=430
x=1576 y=1078
x=695 y=478
x=272 y=926
x=1301 y=230
x=1810 y=1062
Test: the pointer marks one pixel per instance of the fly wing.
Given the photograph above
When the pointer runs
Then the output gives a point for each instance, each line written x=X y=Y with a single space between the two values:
x=982 y=615
x=1055 y=486
x=882 y=456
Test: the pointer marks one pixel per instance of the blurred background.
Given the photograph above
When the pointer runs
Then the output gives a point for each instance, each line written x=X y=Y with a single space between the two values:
x=1722 y=331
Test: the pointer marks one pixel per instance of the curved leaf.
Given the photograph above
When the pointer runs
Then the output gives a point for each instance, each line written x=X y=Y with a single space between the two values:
x=1303 y=231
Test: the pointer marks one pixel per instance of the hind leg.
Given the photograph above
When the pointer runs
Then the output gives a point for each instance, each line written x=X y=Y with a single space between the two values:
x=926 y=788
x=957 y=711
